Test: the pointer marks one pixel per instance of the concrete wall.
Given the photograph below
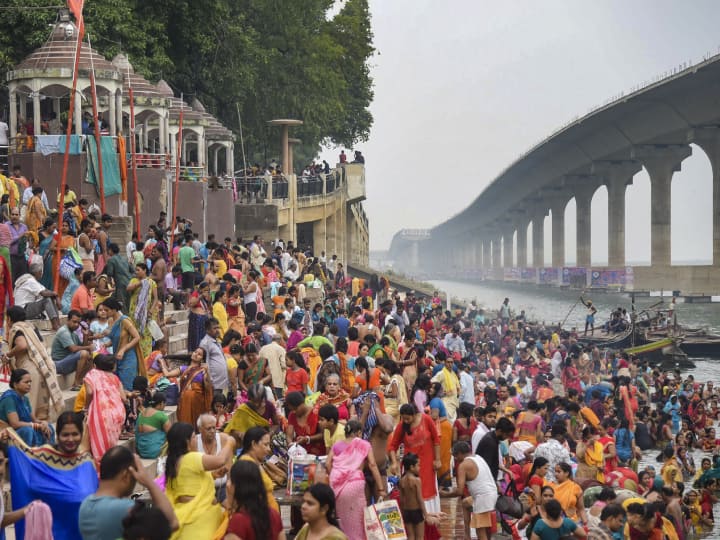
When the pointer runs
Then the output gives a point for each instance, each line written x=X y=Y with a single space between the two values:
x=49 y=170
x=252 y=219
x=687 y=279
x=220 y=214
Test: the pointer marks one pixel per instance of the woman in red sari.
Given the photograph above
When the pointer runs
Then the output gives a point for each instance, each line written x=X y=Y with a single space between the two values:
x=105 y=402
x=417 y=433
x=302 y=425
x=571 y=376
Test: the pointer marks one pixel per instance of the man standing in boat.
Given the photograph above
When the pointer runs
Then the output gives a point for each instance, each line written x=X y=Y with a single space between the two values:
x=590 y=317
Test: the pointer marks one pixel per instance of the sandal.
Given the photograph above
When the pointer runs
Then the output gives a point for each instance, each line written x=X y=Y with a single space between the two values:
x=75 y=388
x=124 y=436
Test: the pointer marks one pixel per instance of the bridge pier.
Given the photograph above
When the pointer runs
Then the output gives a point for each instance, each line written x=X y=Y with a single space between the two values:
x=508 y=248
x=708 y=138
x=522 y=244
x=661 y=163
x=496 y=262
x=558 y=234
x=487 y=259
x=583 y=219
x=618 y=175
x=539 y=240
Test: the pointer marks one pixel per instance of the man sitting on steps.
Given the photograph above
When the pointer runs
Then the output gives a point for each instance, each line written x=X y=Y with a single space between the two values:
x=69 y=353
x=34 y=297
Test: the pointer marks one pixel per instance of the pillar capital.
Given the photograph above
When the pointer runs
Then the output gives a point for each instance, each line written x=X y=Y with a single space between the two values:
x=661 y=160
x=582 y=186
x=617 y=171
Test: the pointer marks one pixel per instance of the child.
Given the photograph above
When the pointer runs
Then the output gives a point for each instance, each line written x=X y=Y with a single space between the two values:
x=296 y=377
x=328 y=421
x=411 y=500
x=100 y=329
x=136 y=401
x=219 y=410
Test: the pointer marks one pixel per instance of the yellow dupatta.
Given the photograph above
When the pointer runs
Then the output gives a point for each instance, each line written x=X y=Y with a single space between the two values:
x=594 y=458
x=245 y=418
x=567 y=494
x=450 y=382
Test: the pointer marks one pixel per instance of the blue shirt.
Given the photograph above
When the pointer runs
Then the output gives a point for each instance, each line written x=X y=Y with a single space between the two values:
x=101 y=518
x=342 y=324
x=545 y=532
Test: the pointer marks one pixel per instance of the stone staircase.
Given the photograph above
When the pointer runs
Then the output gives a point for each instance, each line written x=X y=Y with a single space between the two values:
x=177 y=343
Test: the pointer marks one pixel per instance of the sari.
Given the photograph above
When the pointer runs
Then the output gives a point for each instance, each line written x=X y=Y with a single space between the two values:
x=11 y=401
x=106 y=414
x=567 y=494
x=340 y=402
x=35 y=214
x=195 y=395
x=348 y=482
x=196 y=324
x=128 y=366
x=244 y=418
x=254 y=373
x=592 y=465
x=267 y=483
x=60 y=481
x=45 y=395
x=142 y=312
x=201 y=516
x=47 y=256
x=392 y=405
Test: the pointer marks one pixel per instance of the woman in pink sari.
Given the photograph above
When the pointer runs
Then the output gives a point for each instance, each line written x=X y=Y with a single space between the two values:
x=105 y=404
x=346 y=462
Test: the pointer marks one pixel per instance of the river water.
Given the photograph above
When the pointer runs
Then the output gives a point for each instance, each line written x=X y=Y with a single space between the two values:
x=553 y=305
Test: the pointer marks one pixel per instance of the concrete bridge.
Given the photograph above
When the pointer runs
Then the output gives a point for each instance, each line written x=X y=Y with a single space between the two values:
x=654 y=128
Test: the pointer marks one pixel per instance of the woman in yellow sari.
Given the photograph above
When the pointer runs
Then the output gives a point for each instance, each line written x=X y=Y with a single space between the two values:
x=256 y=447
x=256 y=412
x=589 y=452
x=395 y=389
x=569 y=494
x=190 y=486
x=36 y=213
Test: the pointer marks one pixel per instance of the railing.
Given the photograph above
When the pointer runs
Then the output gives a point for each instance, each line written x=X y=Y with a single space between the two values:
x=151 y=161
x=255 y=188
x=4 y=160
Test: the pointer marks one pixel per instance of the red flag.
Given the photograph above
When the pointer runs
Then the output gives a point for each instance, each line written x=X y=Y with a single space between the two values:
x=76 y=8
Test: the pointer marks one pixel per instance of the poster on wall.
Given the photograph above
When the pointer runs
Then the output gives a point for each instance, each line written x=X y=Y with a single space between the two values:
x=528 y=275
x=612 y=278
x=511 y=274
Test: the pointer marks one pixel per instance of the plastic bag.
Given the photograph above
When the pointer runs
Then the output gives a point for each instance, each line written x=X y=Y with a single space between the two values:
x=383 y=521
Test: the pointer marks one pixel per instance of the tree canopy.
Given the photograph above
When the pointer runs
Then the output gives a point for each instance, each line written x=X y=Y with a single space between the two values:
x=272 y=58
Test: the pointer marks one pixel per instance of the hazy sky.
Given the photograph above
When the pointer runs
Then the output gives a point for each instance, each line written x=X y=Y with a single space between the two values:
x=462 y=87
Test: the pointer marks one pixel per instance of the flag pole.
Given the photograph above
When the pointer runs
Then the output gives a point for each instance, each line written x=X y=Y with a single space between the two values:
x=93 y=90
x=76 y=8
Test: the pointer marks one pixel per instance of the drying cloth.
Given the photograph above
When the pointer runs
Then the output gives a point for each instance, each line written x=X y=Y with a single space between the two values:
x=75 y=144
x=49 y=144
x=111 y=169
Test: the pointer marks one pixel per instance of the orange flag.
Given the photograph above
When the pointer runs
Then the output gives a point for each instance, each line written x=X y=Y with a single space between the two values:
x=76 y=8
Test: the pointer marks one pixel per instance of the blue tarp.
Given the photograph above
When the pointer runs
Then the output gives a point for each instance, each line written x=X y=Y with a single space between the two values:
x=111 y=169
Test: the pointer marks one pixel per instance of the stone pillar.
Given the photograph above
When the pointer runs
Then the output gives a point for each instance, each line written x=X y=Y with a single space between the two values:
x=13 y=114
x=112 y=114
x=229 y=159
x=558 y=234
x=36 y=112
x=119 y=111
x=173 y=150
x=522 y=260
x=78 y=113
x=708 y=138
x=202 y=152
x=162 y=137
x=583 y=242
x=508 y=248
x=661 y=162
x=285 y=149
x=216 y=151
x=539 y=240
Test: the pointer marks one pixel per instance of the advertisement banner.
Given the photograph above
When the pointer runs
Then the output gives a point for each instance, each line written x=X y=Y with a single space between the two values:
x=511 y=274
x=548 y=276
x=574 y=277
x=528 y=275
x=613 y=278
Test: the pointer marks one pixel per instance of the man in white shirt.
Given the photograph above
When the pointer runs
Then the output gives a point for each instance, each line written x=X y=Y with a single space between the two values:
x=131 y=247
x=4 y=140
x=36 y=299
x=274 y=353
x=488 y=417
x=467 y=385
x=28 y=193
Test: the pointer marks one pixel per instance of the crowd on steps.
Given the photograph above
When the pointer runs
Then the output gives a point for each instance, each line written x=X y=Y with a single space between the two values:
x=286 y=357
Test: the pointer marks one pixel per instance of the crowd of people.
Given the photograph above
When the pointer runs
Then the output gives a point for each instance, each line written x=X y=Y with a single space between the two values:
x=286 y=354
